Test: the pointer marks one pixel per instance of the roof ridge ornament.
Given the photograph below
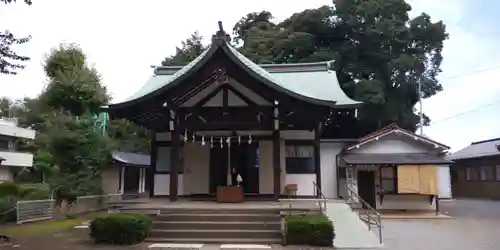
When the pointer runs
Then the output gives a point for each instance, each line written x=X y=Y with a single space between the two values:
x=220 y=36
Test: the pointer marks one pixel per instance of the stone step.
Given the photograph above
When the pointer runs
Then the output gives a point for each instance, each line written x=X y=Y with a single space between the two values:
x=219 y=217
x=214 y=240
x=218 y=211
x=234 y=225
x=215 y=233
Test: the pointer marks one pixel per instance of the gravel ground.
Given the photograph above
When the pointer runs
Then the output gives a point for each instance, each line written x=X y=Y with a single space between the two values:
x=475 y=225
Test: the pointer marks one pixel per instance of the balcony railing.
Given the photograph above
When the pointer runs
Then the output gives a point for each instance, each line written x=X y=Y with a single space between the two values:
x=16 y=159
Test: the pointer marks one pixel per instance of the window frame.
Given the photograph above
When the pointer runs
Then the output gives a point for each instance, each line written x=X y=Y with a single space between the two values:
x=181 y=159
x=394 y=179
x=478 y=173
x=298 y=143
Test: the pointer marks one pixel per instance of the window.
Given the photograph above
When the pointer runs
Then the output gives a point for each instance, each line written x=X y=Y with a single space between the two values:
x=487 y=173
x=471 y=174
x=163 y=160
x=4 y=144
x=388 y=179
x=299 y=159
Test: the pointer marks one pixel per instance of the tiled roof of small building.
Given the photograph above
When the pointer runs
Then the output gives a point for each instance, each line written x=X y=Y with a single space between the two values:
x=478 y=149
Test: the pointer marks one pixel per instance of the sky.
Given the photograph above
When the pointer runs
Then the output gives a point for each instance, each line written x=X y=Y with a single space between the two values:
x=123 y=38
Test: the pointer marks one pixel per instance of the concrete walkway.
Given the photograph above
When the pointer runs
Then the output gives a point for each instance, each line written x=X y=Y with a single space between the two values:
x=350 y=231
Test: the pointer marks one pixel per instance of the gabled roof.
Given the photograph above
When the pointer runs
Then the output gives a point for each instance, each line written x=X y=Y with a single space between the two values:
x=391 y=129
x=315 y=83
x=132 y=159
x=478 y=149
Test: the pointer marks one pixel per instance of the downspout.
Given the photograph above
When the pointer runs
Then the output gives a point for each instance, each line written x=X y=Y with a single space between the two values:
x=337 y=161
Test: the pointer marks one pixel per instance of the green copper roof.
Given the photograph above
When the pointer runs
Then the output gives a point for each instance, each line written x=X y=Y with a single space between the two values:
x=314 y=82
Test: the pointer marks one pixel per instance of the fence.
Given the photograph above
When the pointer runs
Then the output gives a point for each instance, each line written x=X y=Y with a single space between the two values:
x=27 y=211
x=92 y=203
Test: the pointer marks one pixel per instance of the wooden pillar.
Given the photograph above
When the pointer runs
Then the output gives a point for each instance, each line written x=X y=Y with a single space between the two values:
x=276 y=164
x=437 y=203
x=120 y=170
x=152 y=169
x=174 y=160
x=317 y=158
x=276 y=151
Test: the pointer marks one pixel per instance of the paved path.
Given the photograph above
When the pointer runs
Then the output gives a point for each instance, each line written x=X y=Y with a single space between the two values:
x=476 y=226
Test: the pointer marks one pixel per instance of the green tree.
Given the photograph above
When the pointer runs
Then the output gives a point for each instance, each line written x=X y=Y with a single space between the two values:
x=73 y=85
x=10 y=60
x=65 y=120
x=189 y=50
x=129 y=137
x=77 y=150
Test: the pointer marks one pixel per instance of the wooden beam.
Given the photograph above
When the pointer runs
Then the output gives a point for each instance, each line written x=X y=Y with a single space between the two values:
x=276 y=164
x=174 y=162
x=225 y=96
x=317 y=158
x=241 y=96
x=152 y=169
x=207 y=98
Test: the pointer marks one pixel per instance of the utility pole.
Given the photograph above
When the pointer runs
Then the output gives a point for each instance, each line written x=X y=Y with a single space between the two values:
x=421 y=108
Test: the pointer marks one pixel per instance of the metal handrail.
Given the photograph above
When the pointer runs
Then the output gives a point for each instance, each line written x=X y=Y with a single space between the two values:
x=373 y=217
x=322 y=201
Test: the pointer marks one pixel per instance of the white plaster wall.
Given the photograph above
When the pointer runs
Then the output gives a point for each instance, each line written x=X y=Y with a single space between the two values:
x=297 y=135
x=266 y=167
x=393 y=144
x=196 y=169
x=162 y=184
x=328 y=153
x=110 y=180
x=444 y=182
x=305 y=183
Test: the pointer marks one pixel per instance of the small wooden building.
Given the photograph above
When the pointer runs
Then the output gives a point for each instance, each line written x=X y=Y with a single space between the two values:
x=126 y=174
x=395 y=169
x=476 y=170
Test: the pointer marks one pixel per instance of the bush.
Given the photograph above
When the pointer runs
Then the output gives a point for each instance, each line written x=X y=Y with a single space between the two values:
x=35 y=192
x=8 y=211
x=8 y=188
x=312 y=230
x=120 y=228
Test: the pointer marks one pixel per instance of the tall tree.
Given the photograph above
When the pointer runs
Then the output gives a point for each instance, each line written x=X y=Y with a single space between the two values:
x=189 y=50
x=68 y=135
x=73 y=85
x=10 y=60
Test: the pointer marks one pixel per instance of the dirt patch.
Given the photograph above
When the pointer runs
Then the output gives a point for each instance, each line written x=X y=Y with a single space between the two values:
x=75 y=239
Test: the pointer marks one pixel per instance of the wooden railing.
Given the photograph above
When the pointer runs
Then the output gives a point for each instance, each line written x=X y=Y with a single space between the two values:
x=365 y=212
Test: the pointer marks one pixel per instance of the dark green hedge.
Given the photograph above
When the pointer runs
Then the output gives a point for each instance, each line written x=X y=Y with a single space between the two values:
x=120 y=228
x=9 y=189
x=312 y=230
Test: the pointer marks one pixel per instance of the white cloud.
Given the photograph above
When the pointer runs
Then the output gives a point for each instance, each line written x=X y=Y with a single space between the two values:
x=123 y=38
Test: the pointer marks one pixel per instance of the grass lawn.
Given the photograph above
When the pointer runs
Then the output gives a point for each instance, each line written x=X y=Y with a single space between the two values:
x=55 y=235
